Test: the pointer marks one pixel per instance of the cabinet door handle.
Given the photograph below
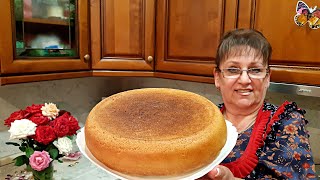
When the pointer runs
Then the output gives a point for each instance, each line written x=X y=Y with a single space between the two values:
x=86 y=58
x=150 y=59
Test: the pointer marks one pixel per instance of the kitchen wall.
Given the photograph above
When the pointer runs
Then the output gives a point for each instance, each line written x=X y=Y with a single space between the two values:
x=79 y=96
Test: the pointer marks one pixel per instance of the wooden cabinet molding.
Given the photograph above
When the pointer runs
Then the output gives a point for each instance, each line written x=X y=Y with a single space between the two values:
x=9 y=65
x=122 y=34
x=106 y=73
x=295 y=75
x=43 y=77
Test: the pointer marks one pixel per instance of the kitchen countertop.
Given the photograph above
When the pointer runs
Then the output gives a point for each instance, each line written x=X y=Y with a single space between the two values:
x=69 y=170
x=80 y=169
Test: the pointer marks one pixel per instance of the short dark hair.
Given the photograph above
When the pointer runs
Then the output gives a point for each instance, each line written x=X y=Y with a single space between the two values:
x=240 y=42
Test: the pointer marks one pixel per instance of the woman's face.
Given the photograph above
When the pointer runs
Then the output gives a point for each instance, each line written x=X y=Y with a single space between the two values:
x=242 y=92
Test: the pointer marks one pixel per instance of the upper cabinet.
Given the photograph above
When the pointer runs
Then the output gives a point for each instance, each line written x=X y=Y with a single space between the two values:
x=158 y=38
x=178 y=38
x=296 y=57
x=123 y=34
x=43 y=36
x=188 y=34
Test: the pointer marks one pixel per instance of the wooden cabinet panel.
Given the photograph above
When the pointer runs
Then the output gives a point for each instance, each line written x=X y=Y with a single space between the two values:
x=291 y=44
x=192 y=25
x=122 y=33
x=12 y=65
x=122 y=24
x=188 y=33
x=295 y=57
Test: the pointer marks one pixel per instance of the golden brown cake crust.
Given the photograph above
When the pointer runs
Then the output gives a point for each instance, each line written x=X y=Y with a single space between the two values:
x=155 y=132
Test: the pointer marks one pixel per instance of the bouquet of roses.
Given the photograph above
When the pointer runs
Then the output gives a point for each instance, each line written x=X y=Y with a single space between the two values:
x=45 y=134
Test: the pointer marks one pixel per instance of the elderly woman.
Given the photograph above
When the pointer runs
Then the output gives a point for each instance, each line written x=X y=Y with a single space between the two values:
x=272 y=140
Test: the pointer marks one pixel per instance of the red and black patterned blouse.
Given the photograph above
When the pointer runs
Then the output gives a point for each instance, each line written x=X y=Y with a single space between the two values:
x=275 y=147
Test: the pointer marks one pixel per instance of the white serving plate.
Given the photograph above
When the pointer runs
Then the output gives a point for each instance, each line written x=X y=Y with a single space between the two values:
x=232 y=136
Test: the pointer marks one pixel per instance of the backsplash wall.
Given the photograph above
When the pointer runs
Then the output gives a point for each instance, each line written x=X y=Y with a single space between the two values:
x=75 y=95
x=80 y=95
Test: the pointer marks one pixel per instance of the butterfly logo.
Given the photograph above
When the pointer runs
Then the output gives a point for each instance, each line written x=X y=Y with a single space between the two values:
x=306 y=14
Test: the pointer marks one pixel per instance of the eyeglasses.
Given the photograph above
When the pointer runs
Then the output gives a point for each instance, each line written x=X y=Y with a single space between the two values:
x=255 y=73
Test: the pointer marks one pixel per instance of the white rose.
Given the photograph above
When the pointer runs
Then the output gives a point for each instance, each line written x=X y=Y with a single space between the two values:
x=50 y=110
x=22 y=128
x=64 y=145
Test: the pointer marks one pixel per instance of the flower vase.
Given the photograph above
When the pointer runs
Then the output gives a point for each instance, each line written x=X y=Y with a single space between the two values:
x=46 y=174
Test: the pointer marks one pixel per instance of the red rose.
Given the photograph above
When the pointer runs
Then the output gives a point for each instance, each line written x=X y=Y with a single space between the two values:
x=22 y=114
x=73 y=125
x=44 y=134
x=39 y=119
x=35 y=108
x=65 y=125
x=60 y=126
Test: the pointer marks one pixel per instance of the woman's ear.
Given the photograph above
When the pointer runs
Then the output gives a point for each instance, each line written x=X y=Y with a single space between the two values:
x=268 y=76
x=216 y=78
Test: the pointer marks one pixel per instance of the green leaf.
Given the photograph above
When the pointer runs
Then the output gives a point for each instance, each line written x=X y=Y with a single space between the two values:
x=70 y=137
x=30 y=142
x=54 y=153
x=21 y=160
x=28 y=168
x=12 y=143
x=22 y=148
x=29 y=151
x=45 y=174
x=51 y=146
x=60 y=161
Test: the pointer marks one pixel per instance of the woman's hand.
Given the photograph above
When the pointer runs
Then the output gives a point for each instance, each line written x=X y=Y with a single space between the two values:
x=221 y=172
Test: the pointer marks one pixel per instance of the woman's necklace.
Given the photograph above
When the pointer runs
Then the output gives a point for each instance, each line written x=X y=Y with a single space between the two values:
x=246 y=127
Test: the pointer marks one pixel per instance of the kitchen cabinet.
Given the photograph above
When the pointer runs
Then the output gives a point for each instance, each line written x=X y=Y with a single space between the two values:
x=42 y=37
x=122 y=36
x=188 y=34
x=296 y=57
x=174 y=39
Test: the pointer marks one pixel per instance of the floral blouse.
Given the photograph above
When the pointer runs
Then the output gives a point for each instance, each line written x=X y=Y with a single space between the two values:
x=275 y=147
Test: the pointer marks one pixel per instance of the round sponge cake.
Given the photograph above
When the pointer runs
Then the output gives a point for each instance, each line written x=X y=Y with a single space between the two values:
x=155 y=132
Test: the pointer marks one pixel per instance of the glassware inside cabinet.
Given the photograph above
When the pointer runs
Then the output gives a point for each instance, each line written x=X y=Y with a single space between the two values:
x=46 y=28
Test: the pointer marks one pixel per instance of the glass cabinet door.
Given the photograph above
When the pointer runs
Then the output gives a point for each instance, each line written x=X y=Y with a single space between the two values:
x=45 y=28
x=44 y=36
